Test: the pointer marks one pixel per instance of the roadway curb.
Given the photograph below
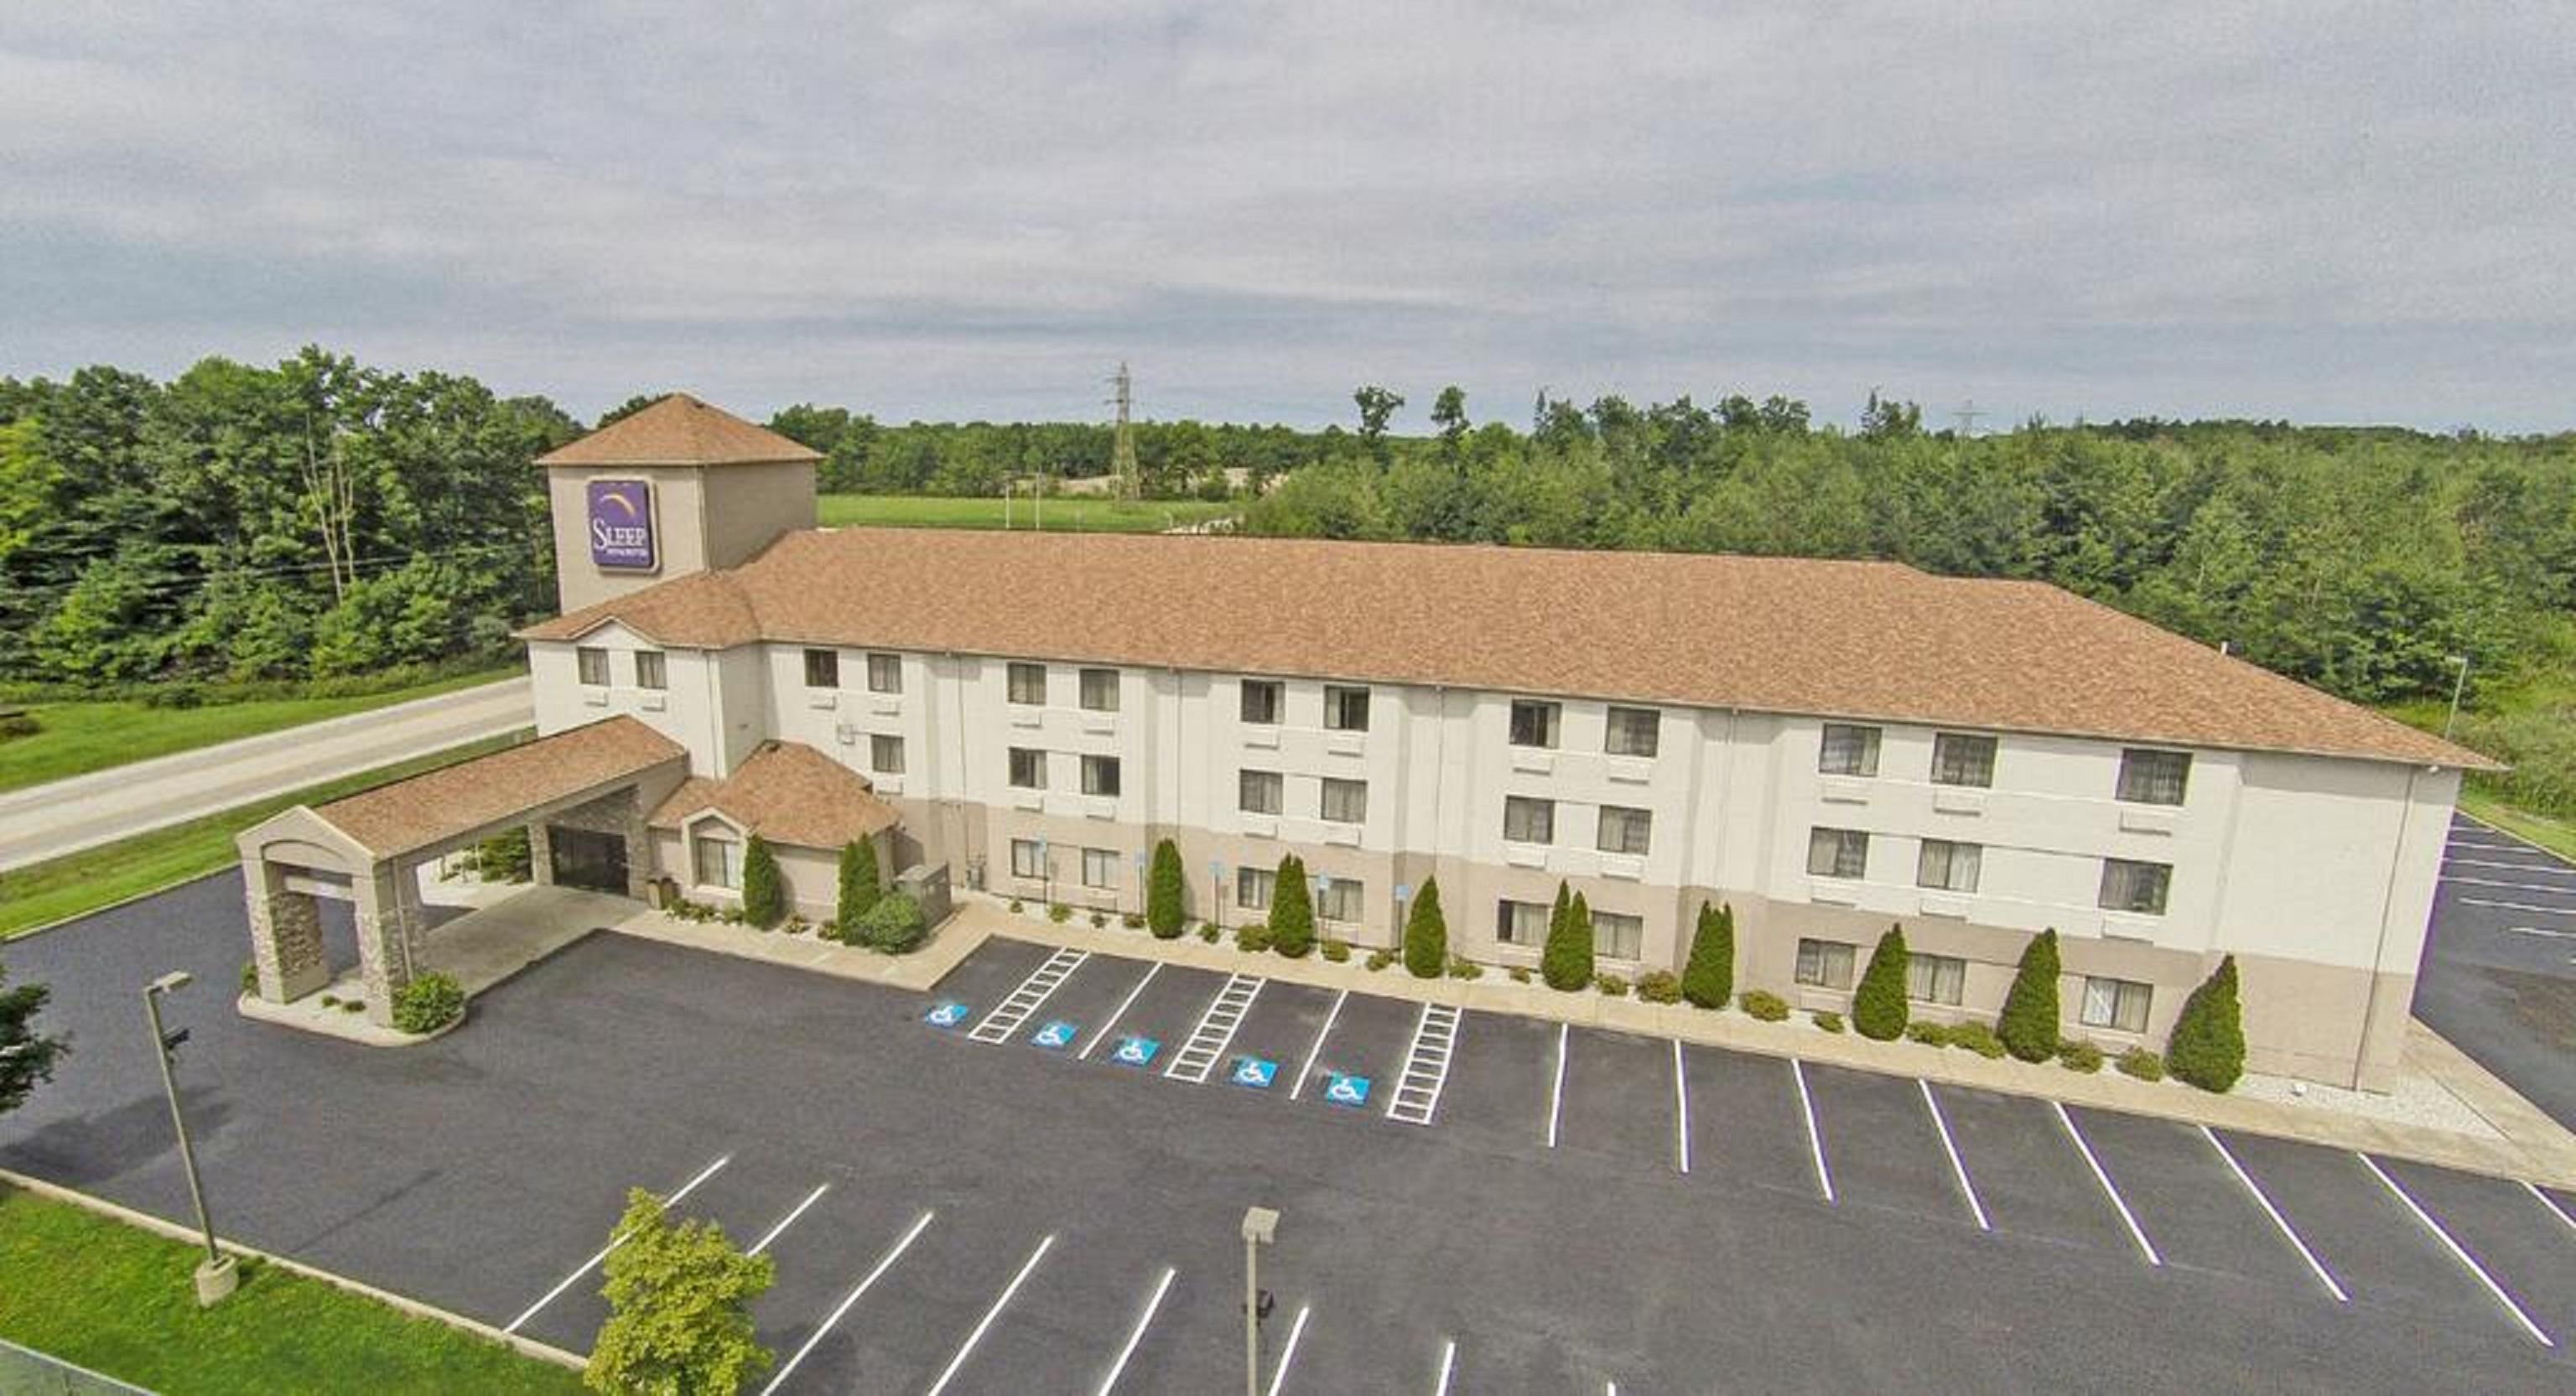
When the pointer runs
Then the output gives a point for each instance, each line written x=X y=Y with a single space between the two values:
x=144 y=896
x=2542 y=849
x=116 y=1211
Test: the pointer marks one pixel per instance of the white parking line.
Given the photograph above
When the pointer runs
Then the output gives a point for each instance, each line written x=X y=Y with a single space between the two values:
x=986 y=1323
x=1448 y=1363
x=1121 y=1011
x=613 y=1243
x=1815 y=1138
x=1681 y=1110
x=2551 y=1203
x=790 y=1219
x=1958 y=1169
x=1317 y=1050
x=2146 y=1247
x=1556 y=1092
x=2458 y=1252
x=2519 y=906
x=1288 y=1352
x=2542 y=888
x=884 y=1263
x=2540 y=869
x=2550 y=932
x=2324 y=1276
x=1136 y=1335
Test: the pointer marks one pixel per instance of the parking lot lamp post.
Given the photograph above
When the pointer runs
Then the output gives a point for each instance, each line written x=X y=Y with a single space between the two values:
x=1260 y=1224
x=2457 y=686
x=216 y=1275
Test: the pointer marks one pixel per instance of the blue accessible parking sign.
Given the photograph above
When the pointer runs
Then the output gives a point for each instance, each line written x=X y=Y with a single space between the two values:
x=1255 y=1072
x=1136 y=1051
x=1056 y=1035
x=1342 y=1088
x=947 y=1014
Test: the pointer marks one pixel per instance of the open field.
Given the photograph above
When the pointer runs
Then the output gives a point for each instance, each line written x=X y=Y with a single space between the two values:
x=1068 y=514
x=43 y=893
x=82 y=737
x=116 y=1299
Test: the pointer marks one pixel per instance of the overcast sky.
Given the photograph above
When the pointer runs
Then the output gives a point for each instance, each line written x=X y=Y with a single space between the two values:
x=2322 y=212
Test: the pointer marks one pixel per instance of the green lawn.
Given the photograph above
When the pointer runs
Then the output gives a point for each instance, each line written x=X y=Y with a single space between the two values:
x=117 y=1299
x=1064 y=514
x=43 y=893
x=83 y=737
x=2556 y=835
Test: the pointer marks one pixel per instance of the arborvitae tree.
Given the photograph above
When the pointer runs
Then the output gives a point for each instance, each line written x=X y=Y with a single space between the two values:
x=860 y=888
x=1708 y=979
x=26 y=1057
x=1566 y=963
x=1292 y=910
x=1878 y=1005
x=2028 y=1025
x=764 y=898
x=1426 y=934
x=679 y=1307
x=2208 y=1043
x=1164 y=890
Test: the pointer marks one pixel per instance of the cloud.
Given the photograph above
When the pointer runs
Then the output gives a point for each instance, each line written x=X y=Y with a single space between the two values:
x=2319 y=212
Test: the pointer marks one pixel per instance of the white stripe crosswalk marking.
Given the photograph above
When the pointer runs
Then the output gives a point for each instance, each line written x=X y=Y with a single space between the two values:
x=1215 y=1031
x=613 y=1243
x=1426 y=1065
x=1014 y=1010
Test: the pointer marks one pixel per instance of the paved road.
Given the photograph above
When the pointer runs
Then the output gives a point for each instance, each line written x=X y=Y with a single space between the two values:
x=65 y=816
x=1585 y=1208
x=2499 y=975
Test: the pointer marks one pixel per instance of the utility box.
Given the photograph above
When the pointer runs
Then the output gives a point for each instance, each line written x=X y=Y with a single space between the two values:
x=926 y=884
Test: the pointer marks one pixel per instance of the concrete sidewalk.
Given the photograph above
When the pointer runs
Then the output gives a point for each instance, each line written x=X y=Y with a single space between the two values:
x=66 y=816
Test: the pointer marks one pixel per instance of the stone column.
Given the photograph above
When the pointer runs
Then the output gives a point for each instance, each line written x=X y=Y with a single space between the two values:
x=541 y=855
x=285 y=935
x=384 y=933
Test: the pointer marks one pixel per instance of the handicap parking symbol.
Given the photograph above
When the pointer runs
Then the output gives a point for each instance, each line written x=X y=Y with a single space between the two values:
x=1255 y=1072
x=947 y=1014
x=1056 y=1035
x=1342 y=1088
x=1136 y=1051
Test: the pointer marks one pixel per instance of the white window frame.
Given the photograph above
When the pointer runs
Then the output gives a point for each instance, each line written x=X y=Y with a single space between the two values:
x=1339 y=700
x=1940 y=979
x=2123 y=874
x=2119 y=1005
x=1958 y=756
x=880 y=743
x=1618 y=935
x=1028 y=859
x=1350 y=791
x=590 y=665
x=885 y=672
x=2146 y=773
x=1948 y=865
x=1011 y=768
x=1100 y=868
x=1025 y=684
x=1620 y=737
x=1341 y=900
x=1824 y=964
x=1101 y=776
x=1098 y=690
x=1535 y=723
x=1529 y=819
x=651 y=673
x=1508 y=918
x=1848 y=749
x=1843 y=841
x=1634 y=829
x=822 y=668
x=1272 y=704
x=1274 y=788
x=1255 y=887
x=728 y=871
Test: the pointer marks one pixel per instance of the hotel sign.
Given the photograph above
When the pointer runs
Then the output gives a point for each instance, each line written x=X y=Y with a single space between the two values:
x=621 y=526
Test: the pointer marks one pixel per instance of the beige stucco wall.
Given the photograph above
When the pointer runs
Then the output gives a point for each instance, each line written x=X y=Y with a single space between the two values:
x=698 y=528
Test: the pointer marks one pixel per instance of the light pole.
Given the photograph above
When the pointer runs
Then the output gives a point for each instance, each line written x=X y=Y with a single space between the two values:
x=216 y=1275
x=1260 y=1226
x=2458 y=685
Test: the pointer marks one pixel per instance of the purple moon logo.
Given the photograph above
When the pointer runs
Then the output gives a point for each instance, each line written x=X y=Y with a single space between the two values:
x=621 y=525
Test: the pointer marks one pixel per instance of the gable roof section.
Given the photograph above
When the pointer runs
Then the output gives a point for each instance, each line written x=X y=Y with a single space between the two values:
x=436 y=805
x=786 y=792
x=681 y=430
x=1868 y=640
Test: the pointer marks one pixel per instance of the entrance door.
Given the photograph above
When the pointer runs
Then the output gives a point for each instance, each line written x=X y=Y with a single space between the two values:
x=584 y=858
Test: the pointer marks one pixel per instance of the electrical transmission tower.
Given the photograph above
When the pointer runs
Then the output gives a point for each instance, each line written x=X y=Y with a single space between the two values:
x=1968 y=414
x=1122 y=452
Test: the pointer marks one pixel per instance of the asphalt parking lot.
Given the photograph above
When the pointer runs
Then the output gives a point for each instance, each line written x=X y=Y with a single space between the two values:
x=1581 y=1210
x=2499 y=976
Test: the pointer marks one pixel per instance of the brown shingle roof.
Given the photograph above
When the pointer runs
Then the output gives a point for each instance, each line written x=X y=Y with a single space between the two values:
x=786 y=792
x=440 y=804
x=1838 y=639
x=680 y=430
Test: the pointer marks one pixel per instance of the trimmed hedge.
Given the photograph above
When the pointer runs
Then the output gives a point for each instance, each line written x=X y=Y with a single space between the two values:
x=1765 y=1005
x=1660 y=986
x=1977 y=1038
x=428 y=1003
x=1878 y=1005
x=2207 y=1048
x=1828 y=1020
x=1708 y=979
x=894 y=925
x=2028 y=1024
x=2142 y=1064
x=2079 y=1056
x=1426 y=934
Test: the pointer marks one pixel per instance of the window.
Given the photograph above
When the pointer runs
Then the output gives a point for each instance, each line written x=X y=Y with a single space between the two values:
x=1626 y=830
x=1100 y=775
x=1099 y=867
x=1261 y=792
x=593 y=664
x=1341 y=899
x=1533 y=723
x=1028 y=768
x=1848 y=750
x=1100 y=690
x=1521 y=923
x=1028 y=858
x=1345 y=709
x=649 y=672
x=1838 y=853
x=1948 y=867
x=1028 y=685
x=1618 y=935
x=2154 y=777
x=1935 y=978
x=719 y=862
x=2140 y=887
x=822 y=668
x=1345 y=801
x=1824 y=964
x=1253 y=886
x=1959 y=759
x=1634 y=732
x=2117 y=1004
x=1528 y=821
x=885 y=755
x=1262 y=701
x=885 y=673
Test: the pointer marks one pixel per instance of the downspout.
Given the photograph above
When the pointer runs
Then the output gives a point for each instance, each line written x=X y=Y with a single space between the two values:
x=2387 y=905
